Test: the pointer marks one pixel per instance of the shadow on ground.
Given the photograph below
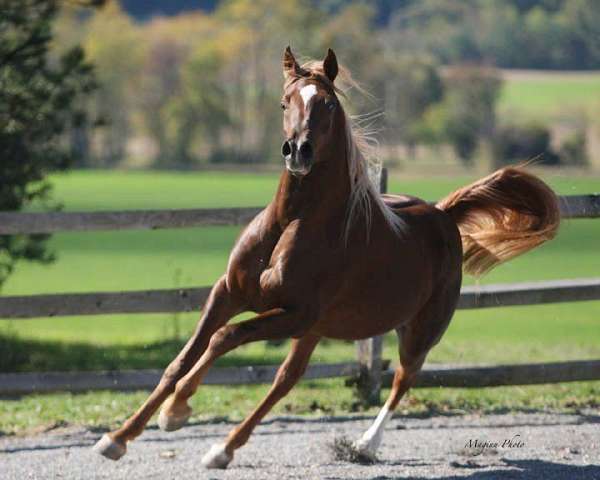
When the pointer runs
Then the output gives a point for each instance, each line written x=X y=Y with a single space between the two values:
x=525 y=469
x=514 y=470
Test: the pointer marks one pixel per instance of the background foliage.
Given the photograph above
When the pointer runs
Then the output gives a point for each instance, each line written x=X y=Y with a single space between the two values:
x=203 y=86
x=41 y=100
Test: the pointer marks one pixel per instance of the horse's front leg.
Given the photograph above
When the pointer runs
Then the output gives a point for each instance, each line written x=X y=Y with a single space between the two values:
x=219 y=308
x=289 y=373
x=272 y=325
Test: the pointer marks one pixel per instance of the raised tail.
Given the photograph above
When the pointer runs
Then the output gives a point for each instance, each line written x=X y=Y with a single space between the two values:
x=501 y=216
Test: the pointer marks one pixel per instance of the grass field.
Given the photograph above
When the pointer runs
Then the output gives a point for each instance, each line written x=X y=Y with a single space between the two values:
x=548 y=96
x=161 y=259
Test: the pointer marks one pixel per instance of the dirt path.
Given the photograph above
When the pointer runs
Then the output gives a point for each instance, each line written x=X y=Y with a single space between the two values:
x=545 y=446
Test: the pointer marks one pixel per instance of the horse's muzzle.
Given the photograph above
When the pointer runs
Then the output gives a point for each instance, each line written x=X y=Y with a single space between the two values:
x=298 y=156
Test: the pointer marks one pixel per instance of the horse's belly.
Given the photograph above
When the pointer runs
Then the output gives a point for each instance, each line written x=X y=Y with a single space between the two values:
x=366 y=316
x=354 y=327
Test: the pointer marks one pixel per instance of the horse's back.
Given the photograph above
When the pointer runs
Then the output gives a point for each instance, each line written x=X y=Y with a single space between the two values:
x=397 y=201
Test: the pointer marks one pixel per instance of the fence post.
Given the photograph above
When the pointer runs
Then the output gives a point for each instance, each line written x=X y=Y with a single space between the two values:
x=369 y=351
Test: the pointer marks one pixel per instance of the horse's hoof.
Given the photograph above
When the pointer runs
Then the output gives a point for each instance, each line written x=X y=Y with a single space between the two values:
x=107 y=447
x=170 y=423
x=364 y=452
x=217 y=457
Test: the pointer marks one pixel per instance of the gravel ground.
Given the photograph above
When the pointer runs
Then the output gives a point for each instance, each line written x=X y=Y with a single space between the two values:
x=545 y=446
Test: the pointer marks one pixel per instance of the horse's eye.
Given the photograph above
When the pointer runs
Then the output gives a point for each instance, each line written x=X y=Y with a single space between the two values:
x=330 y=104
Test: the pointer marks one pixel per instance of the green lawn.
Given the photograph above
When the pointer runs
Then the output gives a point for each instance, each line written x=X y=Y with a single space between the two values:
x=107 y=410
x=162 y=259
x=547 y=96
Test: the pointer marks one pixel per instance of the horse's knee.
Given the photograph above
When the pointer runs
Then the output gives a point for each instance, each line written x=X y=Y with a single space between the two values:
x=221 y=340
x=173 y=372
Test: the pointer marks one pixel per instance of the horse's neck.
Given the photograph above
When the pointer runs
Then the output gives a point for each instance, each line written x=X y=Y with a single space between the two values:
x=321 y=195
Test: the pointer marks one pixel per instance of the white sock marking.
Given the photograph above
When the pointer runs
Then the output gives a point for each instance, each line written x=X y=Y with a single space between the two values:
x=371 y=439
x=307 y=93
x=216 y=457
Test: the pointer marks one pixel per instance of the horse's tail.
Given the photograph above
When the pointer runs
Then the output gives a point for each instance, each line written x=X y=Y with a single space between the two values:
x=501 y=216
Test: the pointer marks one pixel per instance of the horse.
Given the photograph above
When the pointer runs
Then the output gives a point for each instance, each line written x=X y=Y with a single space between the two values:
x=330 y=257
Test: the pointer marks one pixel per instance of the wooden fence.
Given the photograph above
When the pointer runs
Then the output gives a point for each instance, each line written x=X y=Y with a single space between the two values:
x=368 y=370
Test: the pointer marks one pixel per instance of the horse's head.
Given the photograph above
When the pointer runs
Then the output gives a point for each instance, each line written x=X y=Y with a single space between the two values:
x=311 y=111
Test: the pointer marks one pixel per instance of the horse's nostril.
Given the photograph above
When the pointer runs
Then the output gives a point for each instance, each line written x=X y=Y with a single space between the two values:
x=306 y=150
x=286 y=148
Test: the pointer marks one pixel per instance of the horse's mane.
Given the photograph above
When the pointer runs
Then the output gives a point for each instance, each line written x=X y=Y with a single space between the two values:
x=364 y=163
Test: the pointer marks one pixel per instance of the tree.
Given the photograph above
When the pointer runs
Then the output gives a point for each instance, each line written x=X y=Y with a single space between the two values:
x=253 y=36
x=470 y=108
x=410 y=85
x=581 y=18
x=40 y=98
x=171 y=42
x=199 y=111
x=113 y=44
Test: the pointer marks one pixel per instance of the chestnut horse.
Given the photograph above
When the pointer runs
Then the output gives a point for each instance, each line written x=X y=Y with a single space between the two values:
x=330 y=257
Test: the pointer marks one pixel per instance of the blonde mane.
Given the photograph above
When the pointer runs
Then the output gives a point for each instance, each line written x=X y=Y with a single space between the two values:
x=364 y=165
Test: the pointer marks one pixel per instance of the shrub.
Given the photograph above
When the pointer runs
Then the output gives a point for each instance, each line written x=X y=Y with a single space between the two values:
x=470 y=107
x=513 y=144
x=573 y=150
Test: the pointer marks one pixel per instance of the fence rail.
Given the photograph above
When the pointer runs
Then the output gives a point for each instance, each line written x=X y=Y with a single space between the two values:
x=53 y=222
x=11 y=223
x=462 y=376
x=23 y=383
x=191 y=299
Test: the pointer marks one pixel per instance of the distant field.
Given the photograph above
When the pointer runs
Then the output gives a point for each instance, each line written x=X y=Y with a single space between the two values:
x=171 y=258
x=547 y=96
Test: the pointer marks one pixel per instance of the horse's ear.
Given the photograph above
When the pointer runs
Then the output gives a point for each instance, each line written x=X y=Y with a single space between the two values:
x=330 y=65
x=290 y=65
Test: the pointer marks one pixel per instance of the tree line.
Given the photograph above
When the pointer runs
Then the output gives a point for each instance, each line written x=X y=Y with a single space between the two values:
x=203 y=87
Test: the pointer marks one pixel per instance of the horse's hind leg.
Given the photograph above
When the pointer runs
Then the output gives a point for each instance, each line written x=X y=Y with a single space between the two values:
x=416 y=338
x=289 y=373
x=219 y=308
x=404 y=378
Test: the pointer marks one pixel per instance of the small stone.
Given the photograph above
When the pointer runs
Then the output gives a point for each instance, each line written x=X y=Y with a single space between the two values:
x=467 y=464
x=168 y=454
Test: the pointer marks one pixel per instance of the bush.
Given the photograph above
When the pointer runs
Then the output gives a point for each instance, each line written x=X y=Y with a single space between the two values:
x=573 y=150
x=513 y=144
x=470 y=107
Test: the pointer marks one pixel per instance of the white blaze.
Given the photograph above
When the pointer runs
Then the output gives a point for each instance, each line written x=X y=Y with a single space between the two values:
x=307 y=93
x=371 y=439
